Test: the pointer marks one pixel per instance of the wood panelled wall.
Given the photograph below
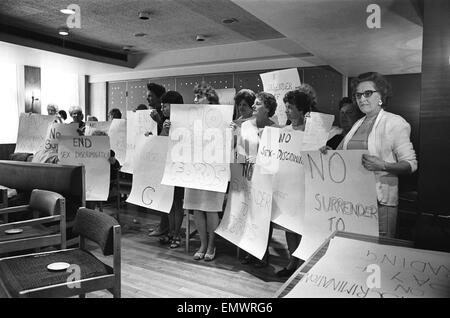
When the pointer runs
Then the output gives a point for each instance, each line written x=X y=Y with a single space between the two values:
x=127 y=95
x=434 y=168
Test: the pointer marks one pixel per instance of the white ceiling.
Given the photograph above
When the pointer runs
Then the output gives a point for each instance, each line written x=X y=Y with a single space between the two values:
x=270 y=33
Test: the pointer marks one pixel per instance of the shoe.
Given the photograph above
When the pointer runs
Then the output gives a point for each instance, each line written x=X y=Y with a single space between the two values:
x=166 y=239
x=176 y=242
x=199 y=256
x=285 y=272
x=210 y=257
x=157 y=232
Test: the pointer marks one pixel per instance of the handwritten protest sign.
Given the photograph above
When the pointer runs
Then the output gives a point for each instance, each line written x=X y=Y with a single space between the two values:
x=340 y=194
x=92 y=126
x=280 y=149
x=147 y=190
x=50 y=147
x=279 y=83
x=226 y=95
x=200 y=147
x=353 y=268
x=138 y=123
x=92 y=152
x=317 y=130
x=32 y=132
x=118 y=138
x=246 y=219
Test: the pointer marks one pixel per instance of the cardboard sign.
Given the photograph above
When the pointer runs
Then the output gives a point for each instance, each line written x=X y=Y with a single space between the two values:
x=147 y=190
x=92 y=126
x=200 y=147
x=246 y=219
x=92 y=152
x=32 y=132
x=278 y=83
x=317 y=130
x=138 y=123
x=358 y=269
x=118 y=138
x=340 y=194
x=226 y=95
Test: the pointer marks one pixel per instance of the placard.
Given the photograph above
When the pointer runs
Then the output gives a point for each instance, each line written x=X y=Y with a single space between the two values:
x=340 y=194
x=92 y=126
x=93 y=152
x=358 y=269
x=150 y=159
x=118 y=138
x=200 y=147
x=138 y=123
x=246 y=219
x=317 y=130
x=32 y=132
x=278 y=83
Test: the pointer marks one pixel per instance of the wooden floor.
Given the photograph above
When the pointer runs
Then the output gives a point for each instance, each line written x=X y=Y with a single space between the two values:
x=150 y=269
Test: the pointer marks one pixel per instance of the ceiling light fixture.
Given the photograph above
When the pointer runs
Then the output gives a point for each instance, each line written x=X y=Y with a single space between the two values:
x=144 y=15
x=229 y=20
x=67 y=11
x=200 y=38
x=63 y=31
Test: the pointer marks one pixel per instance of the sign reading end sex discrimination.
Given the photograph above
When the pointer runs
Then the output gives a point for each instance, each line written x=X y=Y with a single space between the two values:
x=93 y=153
x=340 y=195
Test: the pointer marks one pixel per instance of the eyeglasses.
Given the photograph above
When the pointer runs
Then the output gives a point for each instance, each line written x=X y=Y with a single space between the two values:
x=366 y=94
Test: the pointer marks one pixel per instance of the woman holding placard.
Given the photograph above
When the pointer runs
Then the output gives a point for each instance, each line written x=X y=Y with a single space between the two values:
x=176 y=213
x=206 y=204
x=387 y=137
x=251 y=130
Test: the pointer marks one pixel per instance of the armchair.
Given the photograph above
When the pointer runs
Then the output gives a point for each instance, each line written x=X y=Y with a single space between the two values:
x=28 y=276
x=44 y=207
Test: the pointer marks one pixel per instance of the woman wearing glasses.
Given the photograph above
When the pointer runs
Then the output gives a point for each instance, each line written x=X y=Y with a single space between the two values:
x=386 y=136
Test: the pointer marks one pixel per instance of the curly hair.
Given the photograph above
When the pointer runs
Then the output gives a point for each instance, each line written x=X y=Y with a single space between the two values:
x=159 y=90
x=75 y=109
x=301 y=100
x=172 y=97
x=245 y=94
x=381 y=85
x=269 y=102
x=311 y=92
x=205 y=90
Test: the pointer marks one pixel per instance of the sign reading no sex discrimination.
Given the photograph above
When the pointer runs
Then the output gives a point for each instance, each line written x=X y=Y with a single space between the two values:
x=340 y=194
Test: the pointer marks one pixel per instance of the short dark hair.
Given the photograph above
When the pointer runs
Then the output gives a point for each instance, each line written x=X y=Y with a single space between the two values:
x=115 y=113
x=301 y=100
x=172 y=97
x=204 y=89
x=269 y=102
x=142 y=107
x=345 y=100
x=159 y=90
x=381 y=85
x=245 y=94
x=63 y=114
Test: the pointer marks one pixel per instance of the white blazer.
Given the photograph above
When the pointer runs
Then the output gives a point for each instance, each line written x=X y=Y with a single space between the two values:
x=389 y=140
